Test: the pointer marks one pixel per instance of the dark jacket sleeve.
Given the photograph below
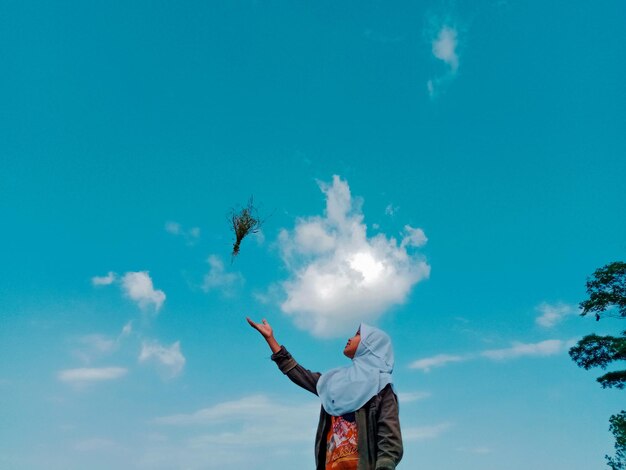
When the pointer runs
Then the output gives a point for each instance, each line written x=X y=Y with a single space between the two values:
x=296 y=373
x=389 y=437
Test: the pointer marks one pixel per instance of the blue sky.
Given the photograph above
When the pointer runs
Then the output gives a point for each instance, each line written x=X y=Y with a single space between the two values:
x=448 y=171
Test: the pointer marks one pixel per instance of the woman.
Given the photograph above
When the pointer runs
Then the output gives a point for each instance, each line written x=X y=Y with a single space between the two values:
x=359 y=427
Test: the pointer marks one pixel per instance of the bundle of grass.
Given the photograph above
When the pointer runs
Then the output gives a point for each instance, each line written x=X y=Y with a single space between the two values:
x=244 y=222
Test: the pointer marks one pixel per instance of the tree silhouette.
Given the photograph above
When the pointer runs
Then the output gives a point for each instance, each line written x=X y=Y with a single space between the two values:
x=607 y=298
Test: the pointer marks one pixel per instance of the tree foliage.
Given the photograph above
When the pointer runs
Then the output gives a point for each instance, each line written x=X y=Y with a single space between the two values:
x=607 y=298
x=618 y=428
x=600 y=351
x=606 y=289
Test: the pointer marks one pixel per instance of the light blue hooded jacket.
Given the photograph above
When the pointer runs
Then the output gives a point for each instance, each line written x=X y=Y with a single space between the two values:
x=346 y=389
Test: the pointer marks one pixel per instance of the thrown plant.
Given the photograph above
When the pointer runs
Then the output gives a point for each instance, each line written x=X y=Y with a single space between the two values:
x=244 y=222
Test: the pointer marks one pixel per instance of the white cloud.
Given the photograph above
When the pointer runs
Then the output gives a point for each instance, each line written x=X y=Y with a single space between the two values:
x=544 y=348
x=191 y=235
x=407 y=397
x=96 y=345
x=276 y=433
x=89 y=375
x=436 y=361
x=418 y=433
x=272 y=295
x=219 y=278
x=170 y=360
x=255 y=420
x=110 y=278
x=553 y=314
x=93 y=346
x=254 y=406
x=138 y=287
x=126 y=330
x=173 y=227
x=391 y=209
x=444 y=47
x=413 y=237
x=430 y=86
x=339 y=276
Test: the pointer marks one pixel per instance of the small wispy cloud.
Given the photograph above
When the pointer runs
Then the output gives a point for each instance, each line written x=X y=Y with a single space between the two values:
x=391 y=210
x=258 y=406
x=138 y=287
x=173 y=227
x=86 y=375
x=191 y=235
x=418 y=433
x=169 y=360
x=408 y=397
x=126 y=330
x=414 y=237
x=439 y=360
x=517 y=350
x=219 y=278
x=276 y=431
x=110 y=278
x=257 y=420
x=444 y=47
x=548 y=347
x=552 y=314
x=92 y=346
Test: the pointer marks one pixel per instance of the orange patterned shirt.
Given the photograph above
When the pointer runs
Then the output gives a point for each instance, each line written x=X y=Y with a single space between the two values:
x=341 y=443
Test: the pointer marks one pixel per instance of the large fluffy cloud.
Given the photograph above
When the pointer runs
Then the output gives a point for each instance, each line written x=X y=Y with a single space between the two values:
x=338 y=275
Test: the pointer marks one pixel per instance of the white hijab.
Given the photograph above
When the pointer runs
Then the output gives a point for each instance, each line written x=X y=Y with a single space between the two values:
x=347 y=389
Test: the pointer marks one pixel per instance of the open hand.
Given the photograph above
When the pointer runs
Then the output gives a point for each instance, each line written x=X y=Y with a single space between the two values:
x=264 y=328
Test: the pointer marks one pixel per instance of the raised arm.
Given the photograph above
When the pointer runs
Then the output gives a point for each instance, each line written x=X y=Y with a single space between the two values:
x=266 y=331
x=285 y=361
